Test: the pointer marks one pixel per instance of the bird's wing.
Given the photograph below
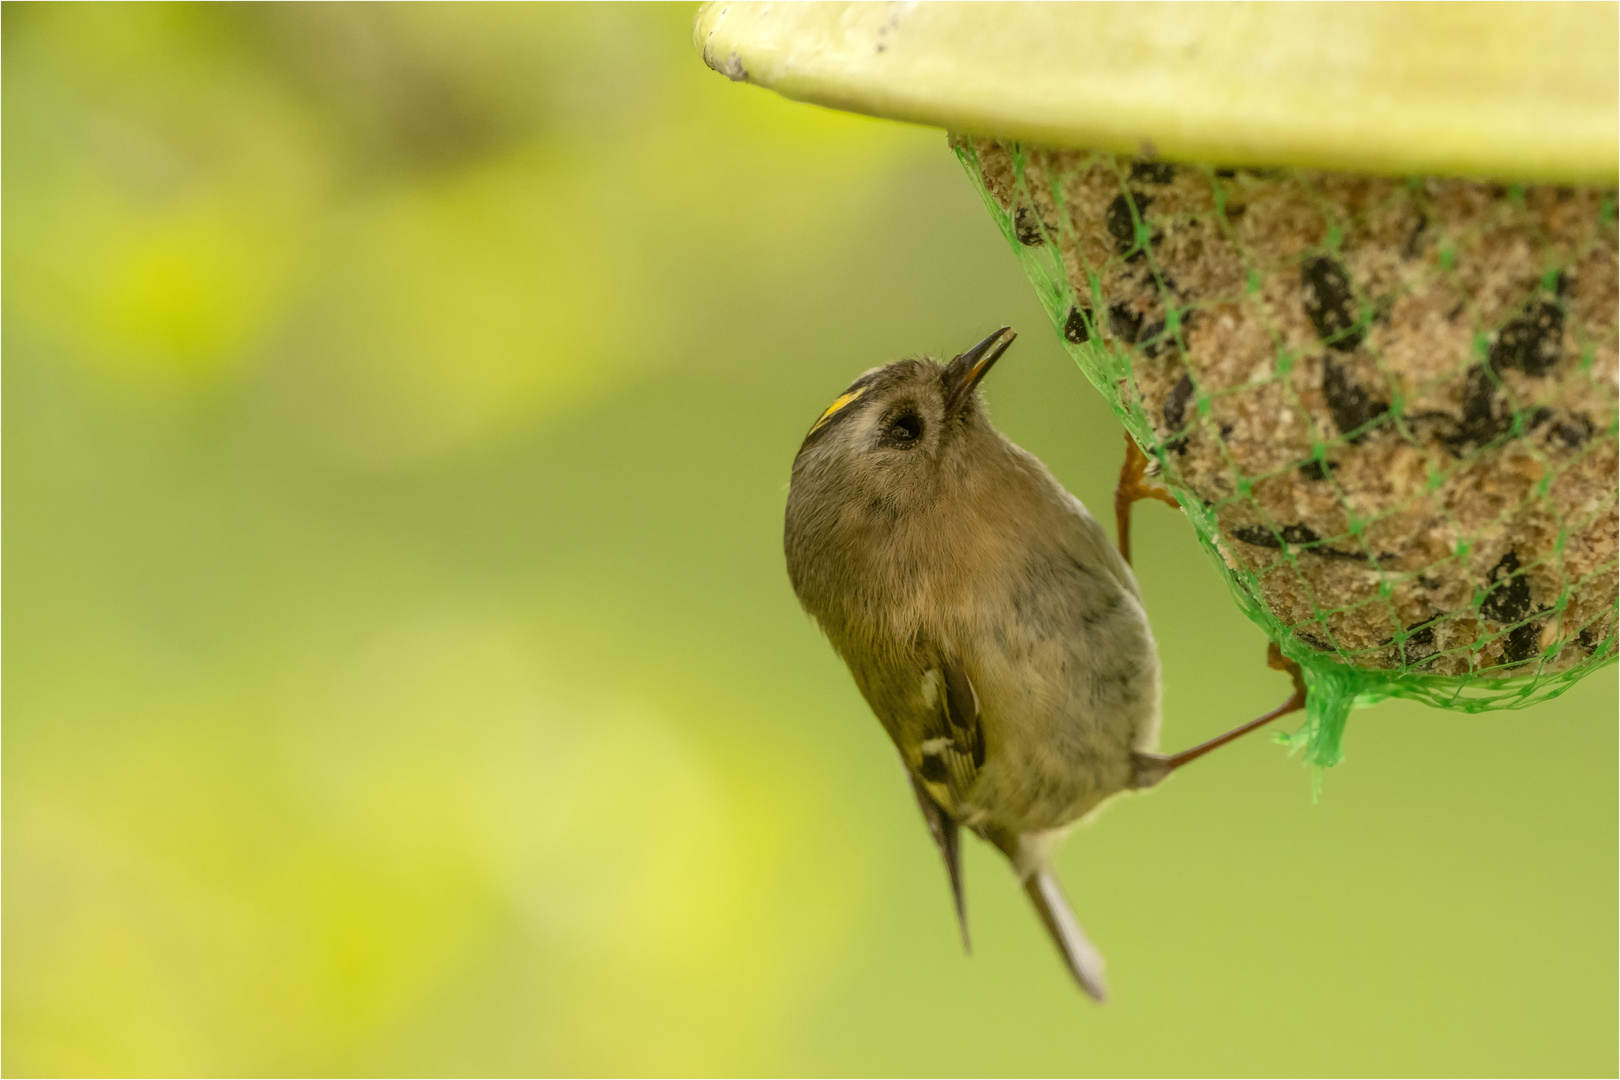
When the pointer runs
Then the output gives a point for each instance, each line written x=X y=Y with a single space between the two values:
x=952 y=746
x=948 y=755
x=947 y=836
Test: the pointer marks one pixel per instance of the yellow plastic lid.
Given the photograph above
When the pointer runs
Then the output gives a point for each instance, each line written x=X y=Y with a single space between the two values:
x=1521 y=91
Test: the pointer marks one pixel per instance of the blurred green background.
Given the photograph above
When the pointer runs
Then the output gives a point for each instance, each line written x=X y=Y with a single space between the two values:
x=401 y=673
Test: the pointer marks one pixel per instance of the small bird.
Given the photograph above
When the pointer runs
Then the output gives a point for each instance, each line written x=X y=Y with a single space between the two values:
x=987 y=620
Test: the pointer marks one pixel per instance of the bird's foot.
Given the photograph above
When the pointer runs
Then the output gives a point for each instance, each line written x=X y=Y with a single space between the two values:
x=1151 y=768
x=1134 y=485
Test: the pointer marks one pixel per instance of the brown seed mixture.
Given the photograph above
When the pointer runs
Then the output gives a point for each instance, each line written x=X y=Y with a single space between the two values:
x=1398 y=398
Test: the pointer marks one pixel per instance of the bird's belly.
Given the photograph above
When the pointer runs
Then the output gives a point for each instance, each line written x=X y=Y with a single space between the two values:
x=1063 y=720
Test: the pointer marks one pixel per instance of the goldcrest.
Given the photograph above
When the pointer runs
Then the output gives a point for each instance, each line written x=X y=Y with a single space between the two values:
x=988 y=621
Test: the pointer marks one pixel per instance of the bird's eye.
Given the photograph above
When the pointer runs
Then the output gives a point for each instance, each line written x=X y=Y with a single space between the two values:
x=903 y=430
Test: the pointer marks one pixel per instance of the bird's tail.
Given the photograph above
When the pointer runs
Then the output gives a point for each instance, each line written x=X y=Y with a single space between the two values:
x=1085 y=962
x=1029 y=856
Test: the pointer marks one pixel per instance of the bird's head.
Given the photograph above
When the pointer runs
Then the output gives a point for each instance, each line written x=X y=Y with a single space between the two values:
x=900 y=434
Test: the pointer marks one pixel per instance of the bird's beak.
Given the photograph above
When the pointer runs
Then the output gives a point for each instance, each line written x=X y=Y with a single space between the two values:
x=963 y=373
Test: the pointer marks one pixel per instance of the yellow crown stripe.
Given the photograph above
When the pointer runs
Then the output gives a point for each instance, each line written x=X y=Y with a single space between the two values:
x=836 y=407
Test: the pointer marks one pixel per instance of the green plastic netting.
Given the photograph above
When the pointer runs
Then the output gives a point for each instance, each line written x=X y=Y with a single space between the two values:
x=1389 y=407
